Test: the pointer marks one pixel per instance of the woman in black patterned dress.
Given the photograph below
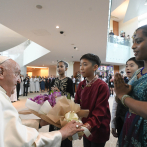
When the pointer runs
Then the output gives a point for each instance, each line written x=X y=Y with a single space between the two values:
x=64 y=85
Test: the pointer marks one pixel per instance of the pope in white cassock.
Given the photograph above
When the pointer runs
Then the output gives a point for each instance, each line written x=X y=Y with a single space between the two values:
x=12 y=132
x=37 y=85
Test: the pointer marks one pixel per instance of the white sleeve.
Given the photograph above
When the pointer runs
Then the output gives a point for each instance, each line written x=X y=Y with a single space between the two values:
x=113 y=117
x=50 y=139
x=14 y=134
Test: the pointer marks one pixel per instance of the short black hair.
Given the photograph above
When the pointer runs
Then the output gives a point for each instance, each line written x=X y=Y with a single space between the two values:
x=94 y=59
x=65 y=63
x=144 y=30
x=139 y=63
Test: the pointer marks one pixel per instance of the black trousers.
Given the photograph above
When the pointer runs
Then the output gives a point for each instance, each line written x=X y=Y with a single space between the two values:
x=88 y=143
x=18 y=89
x=64 y=143
x=74 y=87
x=119 y=125
x=25 y=91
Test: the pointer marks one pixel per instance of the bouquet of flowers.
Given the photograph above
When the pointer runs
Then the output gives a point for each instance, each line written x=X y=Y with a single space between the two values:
x=57 y=110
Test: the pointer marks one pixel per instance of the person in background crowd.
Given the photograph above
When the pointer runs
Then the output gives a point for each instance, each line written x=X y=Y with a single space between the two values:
x=119 y=110
x=126 y=79
x=93 y=94
x=42 y=84
x=111 y=33
x=104 y=78
x=64 y=85
x=21 y=84
x=74 y=82
x=128 y=37
x=53 y=80
x=111 y=86
x=26 y=85
x=32 y=85
x=37 y=84
x=48 y=84
x=18 y=89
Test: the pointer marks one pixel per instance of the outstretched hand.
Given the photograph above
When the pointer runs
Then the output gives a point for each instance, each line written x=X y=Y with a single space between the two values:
x=70 y=129
x=120 y=87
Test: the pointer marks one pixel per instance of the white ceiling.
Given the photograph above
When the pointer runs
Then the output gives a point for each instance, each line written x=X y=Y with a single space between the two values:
x=116 y=3
x=119 y=12
x=9 y=38
x=135 y=8
x=83 y=21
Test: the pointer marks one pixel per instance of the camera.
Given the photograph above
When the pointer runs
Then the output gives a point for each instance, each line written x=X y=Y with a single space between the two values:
x=61 y=32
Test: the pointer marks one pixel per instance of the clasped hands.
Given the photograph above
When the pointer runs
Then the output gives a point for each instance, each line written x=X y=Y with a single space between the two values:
x=120 y=87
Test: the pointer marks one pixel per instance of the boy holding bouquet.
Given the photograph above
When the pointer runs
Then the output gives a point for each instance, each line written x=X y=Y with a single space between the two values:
x=93 y=94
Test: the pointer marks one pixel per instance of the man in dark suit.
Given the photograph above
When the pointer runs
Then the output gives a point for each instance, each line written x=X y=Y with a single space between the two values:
x=48 y=84
x=26 y=85
x=52 y=81
x=18 y=89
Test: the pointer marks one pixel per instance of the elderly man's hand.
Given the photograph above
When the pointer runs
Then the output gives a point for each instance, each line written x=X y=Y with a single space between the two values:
x=70 y=129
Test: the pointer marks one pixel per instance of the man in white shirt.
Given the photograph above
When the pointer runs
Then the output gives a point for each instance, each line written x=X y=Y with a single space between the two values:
x=12 y=132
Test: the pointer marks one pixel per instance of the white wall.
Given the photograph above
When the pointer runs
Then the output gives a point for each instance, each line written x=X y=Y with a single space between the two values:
x=111 y=25
x=129 y=28
x=52 y=70
x=70 y=69
x=122 y=68
x=116 y=3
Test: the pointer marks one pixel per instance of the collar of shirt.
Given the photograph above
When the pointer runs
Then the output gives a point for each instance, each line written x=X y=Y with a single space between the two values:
x=4 y=92
x=90 y=82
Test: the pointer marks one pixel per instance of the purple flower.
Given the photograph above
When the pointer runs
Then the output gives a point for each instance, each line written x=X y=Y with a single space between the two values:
x=56 y=94
x=40 y=99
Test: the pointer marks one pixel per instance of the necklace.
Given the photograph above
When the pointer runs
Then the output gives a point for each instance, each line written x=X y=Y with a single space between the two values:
x=142 y=73
x=62 y=78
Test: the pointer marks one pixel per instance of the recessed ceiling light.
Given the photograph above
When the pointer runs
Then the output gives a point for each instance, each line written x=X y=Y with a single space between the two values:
x=39 y=6
x=57 y=27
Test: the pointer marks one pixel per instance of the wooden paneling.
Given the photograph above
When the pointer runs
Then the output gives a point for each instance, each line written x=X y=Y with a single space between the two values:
x=76 y=68
x=116 y=69
x=115 y=28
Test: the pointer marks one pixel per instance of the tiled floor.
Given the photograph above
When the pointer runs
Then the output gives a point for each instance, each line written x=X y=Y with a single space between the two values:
x=20 y=105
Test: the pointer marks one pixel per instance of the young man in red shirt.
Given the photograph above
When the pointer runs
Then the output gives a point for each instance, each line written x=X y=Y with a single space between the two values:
x=93 y=94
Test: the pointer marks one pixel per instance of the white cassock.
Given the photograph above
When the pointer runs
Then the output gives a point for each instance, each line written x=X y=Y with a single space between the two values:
x=32 y=85
x=37 y=85
x=14 y=134
x=13 y=97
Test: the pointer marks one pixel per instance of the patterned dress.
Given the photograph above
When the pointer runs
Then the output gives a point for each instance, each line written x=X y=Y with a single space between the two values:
x=65 y=86
x=134 y=132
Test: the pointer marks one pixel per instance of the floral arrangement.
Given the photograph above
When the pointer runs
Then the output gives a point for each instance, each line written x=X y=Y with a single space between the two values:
x=58 y=110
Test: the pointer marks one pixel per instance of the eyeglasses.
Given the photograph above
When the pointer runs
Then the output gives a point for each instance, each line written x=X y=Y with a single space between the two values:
x=17 y=74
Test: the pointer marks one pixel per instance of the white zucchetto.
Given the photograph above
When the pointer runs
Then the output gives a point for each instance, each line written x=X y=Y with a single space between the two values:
x=3 y=59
